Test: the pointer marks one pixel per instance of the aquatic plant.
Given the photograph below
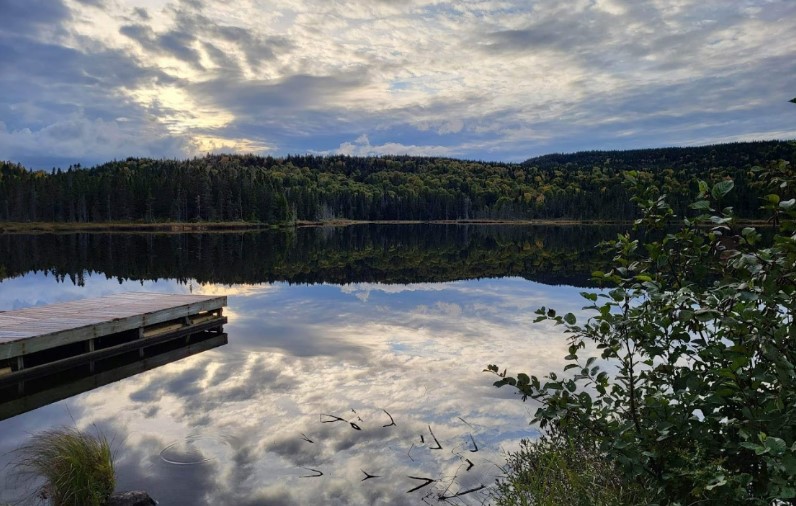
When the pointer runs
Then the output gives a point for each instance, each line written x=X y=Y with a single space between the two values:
x=76 y=467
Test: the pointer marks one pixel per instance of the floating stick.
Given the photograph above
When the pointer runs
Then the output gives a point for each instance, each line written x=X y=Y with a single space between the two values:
x=368 y=476
x=392 y=422
x=464 y=492
x=312 y=475
x=428 y=481
x=474 y=445
x=333 y=418
x=439 y=446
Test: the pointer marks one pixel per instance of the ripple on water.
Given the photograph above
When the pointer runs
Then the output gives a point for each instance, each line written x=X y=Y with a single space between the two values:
x=198 y=448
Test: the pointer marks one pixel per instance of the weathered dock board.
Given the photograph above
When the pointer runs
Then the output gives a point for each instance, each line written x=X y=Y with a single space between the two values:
x=44 y=339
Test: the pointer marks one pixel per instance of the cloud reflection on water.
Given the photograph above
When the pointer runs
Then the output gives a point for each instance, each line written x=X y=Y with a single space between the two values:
x=298 y=352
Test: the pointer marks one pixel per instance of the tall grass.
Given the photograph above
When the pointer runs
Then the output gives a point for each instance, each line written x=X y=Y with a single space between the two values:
x=76 y=467
x=557 y=470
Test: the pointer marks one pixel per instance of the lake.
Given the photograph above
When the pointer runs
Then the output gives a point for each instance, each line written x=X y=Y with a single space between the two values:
x=354 y=368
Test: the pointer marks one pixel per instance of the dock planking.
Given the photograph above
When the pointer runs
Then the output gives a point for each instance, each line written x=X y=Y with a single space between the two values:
x=106 y=325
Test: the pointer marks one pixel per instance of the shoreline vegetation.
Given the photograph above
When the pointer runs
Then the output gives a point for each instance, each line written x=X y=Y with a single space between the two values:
x=688 y=396
x=243 y=226
x=236 y=226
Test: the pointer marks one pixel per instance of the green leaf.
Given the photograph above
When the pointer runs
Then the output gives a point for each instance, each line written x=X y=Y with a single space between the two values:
x=786 y=492
x=570 y=318
x=617 y=294
x=706 y=315
x=716 y=482
x=789 y=463
x=721 y=189
x=776 y=445
x=772 y=198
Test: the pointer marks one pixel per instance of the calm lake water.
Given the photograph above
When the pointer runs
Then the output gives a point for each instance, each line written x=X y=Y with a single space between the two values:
x=334 y=333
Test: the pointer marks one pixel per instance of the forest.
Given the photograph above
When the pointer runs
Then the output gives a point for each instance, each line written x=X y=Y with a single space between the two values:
x=219 y=188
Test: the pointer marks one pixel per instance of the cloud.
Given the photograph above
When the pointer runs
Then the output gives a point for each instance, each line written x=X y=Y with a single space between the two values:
x=362 y=147
x=482 y=79
x=77 y=138
x=292 y=93
x=174 y=43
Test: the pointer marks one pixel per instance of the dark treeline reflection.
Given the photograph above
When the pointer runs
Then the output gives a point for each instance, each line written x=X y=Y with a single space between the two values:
x=361 y=253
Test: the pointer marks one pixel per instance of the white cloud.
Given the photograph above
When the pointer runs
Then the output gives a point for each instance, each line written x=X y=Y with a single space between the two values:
x=77 y=136
x=362 y=147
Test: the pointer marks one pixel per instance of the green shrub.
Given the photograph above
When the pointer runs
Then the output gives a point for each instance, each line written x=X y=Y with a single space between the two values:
x=693 y=393
x=76 y=467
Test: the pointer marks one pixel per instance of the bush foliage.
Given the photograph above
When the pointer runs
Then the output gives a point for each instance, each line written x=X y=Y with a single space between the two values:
x=692 y=389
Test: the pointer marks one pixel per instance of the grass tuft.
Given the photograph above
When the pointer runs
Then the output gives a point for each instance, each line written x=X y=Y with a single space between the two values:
x=76 y=467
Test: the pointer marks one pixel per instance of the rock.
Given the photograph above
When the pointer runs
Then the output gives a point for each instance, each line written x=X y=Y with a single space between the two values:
x=133 y=498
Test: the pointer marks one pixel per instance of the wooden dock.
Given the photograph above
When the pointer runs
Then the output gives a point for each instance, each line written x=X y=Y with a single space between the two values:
x=40 y=341
x=23 y=396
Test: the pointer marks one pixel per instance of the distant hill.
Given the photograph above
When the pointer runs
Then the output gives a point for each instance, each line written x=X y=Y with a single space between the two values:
x=580 y=186
x=736 y=154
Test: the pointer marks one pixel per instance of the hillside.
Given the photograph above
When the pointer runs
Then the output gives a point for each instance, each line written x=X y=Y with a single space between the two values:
x=580 y=186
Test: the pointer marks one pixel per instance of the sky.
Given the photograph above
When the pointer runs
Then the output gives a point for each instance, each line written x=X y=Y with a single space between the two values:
x=87 y=81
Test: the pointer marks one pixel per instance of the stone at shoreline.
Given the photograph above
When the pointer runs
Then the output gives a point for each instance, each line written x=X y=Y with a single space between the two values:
x=133 y=498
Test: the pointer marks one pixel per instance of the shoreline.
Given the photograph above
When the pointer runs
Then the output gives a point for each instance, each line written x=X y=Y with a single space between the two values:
x=242 y=226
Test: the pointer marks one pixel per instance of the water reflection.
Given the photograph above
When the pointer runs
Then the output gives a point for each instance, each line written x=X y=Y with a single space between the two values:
x=255 y=422
x=362 y=253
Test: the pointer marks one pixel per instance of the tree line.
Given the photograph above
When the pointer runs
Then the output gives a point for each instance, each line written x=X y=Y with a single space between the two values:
x=580 y=186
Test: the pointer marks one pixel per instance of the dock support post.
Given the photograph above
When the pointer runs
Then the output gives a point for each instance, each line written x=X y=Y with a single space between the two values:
x=20 y=363
x=187 y=321
x=90 y=348
x=141 y=336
